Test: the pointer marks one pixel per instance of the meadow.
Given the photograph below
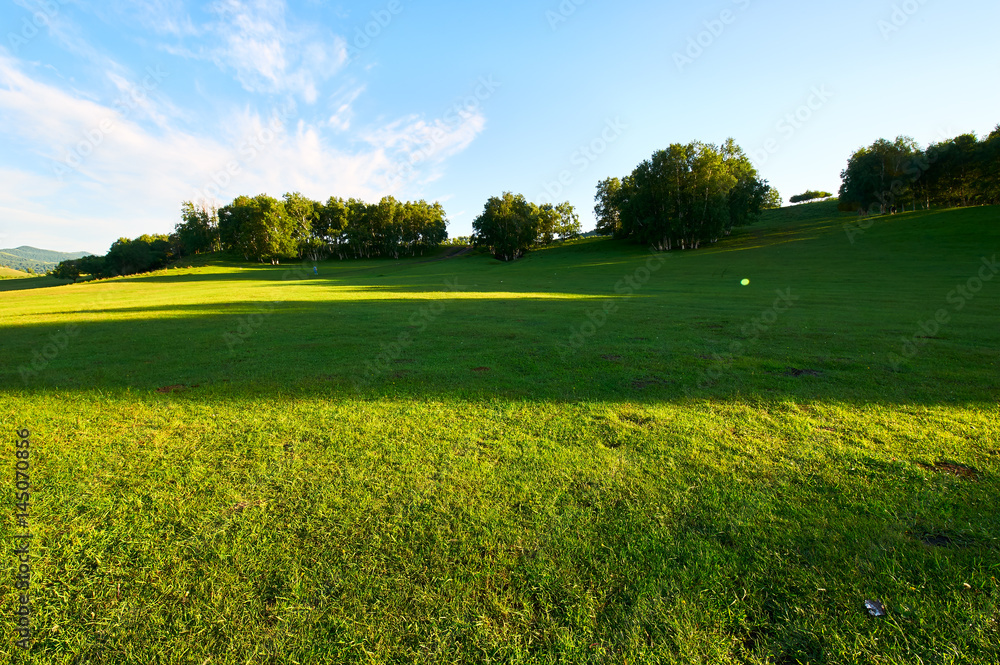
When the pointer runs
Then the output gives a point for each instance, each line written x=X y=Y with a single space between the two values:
x=592 y=455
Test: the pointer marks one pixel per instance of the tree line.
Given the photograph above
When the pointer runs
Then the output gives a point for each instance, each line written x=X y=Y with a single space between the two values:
x=679 y=198
x=887 y=175
x=266 y=229
x=263 y=228
x=684 y=196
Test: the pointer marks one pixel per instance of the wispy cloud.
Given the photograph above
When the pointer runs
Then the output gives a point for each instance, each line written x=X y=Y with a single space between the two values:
x=269 y=56
x=147 y=162
x=165 y=17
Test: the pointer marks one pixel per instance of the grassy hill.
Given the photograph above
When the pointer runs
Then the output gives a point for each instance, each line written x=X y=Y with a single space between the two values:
x=38 y=260
x=467 y=461
x=8 y=272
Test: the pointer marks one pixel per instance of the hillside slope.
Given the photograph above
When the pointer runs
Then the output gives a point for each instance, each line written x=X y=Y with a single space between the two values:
x=592 y=455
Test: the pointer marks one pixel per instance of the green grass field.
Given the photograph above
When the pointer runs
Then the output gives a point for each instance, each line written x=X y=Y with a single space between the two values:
x=451 y=461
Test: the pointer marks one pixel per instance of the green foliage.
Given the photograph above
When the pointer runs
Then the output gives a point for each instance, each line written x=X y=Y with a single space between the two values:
x=67 y=270
x=91 y=265
x=556 y=222
x=508 y=227
x=198 y=231
x=809 y=195
x=962 y=171
x=773 y=199
x=258 y=228
x=683 y=196
x=263 y=228
x=130 y=257
x=607 y=209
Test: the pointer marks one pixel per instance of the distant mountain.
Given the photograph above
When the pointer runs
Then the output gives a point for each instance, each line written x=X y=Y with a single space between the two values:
x=38 y=260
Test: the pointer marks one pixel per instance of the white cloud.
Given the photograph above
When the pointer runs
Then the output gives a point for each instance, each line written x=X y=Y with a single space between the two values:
x=343 y=102
x=267 y=55
x=133 y=169
x=161 y=16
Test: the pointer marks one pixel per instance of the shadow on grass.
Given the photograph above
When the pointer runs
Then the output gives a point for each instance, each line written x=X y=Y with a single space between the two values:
x=27 y=283
x=476 y=348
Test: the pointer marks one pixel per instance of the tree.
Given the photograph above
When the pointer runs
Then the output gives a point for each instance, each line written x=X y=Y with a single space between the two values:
x=424 y=226
x=960 y=171
x=258 y=228
x=684 y=196
x=881 y=174
x=680 y=197
x=608 y=208
x=773 y=199
x=198 y=230
x=264 y=228
x=809 y=195
x=556 y=221
x=304 y=214
x=330 y=227
x=131 y=257
x=91 y=265
x=67 y=270
x=508 y=227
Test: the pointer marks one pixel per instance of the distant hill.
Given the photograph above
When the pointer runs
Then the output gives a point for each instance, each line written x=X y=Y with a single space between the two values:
x=38 y=260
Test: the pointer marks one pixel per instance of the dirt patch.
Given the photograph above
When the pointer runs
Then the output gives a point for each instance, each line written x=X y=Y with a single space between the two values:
x=937 y=540
x=401 y=373
x=647 y=382
x=243 y=505
x=960 y=470
x=172 y=389
x=612 y=359
x=638 y=339
x=404 y=361
x=792 y=371
x=480 y=370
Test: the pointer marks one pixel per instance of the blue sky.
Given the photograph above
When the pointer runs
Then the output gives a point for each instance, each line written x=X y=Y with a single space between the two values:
x=115 y=111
